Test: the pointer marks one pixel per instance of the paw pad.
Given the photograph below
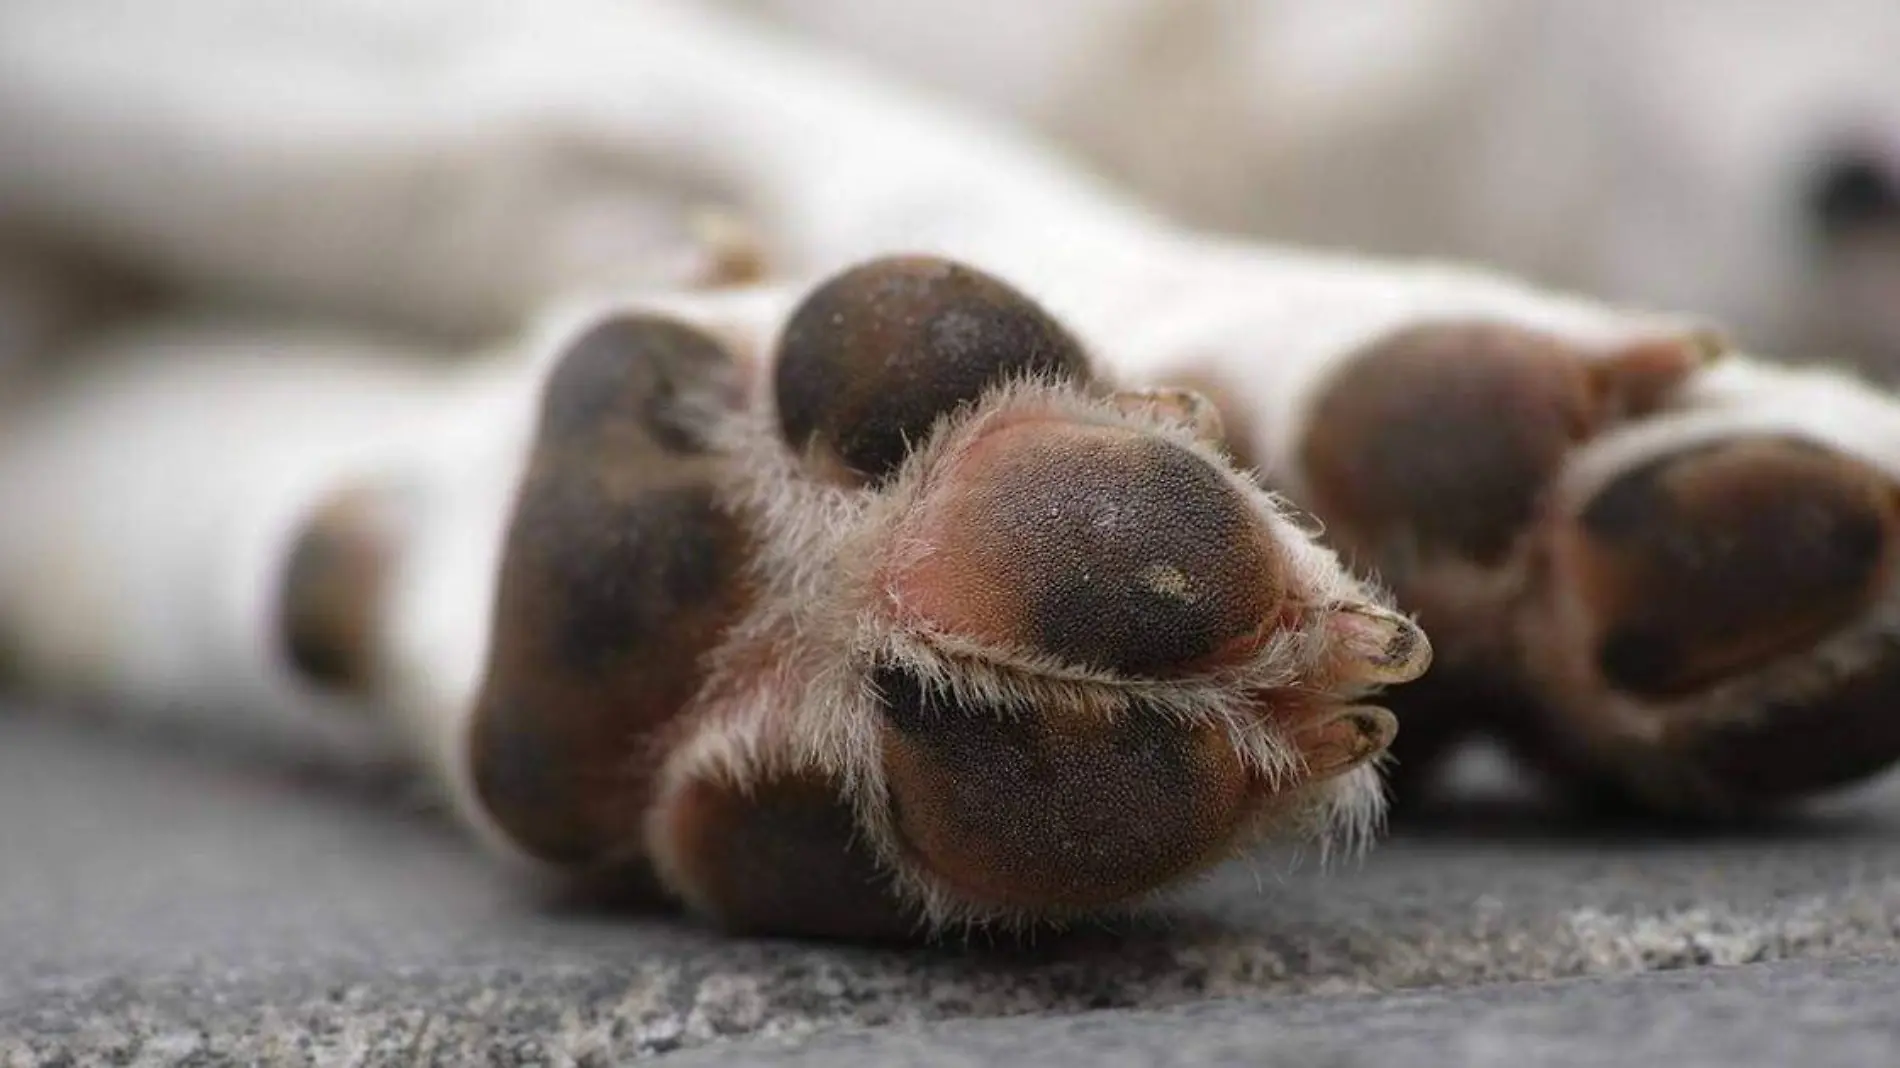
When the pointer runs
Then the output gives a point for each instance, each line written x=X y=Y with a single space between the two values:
x=620 y=573
x=330 y=595
x=1055 y=811
x=1441 y=439
x=782 y=856
x=1095 y=545
x=1709 y=561
x=872 y=358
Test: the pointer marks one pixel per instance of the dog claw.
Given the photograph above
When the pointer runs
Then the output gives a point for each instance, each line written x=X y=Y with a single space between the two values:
x=1346 y=739
x=1379 y=646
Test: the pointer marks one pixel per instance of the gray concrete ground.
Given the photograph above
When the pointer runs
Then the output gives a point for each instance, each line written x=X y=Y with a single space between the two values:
x=165 y=900
x=1810 y=1014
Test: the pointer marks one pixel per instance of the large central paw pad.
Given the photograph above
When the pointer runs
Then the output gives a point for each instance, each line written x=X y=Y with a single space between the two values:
x=622 y=570
x=1702 y=563
x=1728 y=606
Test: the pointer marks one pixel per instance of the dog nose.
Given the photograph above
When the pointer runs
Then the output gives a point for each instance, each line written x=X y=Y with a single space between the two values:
x=1852 y=190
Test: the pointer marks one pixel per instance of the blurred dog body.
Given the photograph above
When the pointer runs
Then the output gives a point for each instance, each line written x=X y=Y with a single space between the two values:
x=451 y=168
x=1740 y=160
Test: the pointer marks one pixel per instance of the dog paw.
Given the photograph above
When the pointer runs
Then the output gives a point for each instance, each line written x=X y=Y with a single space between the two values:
x=1663 y=580
x=941 y=627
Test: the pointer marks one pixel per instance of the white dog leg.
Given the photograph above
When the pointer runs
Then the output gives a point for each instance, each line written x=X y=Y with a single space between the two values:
x=456 y=165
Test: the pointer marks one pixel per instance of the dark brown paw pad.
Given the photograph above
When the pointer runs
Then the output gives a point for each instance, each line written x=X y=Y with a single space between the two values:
x=1716 y=560
x=1439 y=440
x=1712 y=639
x=1048 y=811
x=620 y=572
x=872 y=358
x=1790 y=748
x=783 y=856
x=1097 y=545
x=330 y=599
x=647 y=380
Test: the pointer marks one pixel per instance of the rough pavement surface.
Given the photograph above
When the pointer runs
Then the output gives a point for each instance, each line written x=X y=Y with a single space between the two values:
x=166 y=900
